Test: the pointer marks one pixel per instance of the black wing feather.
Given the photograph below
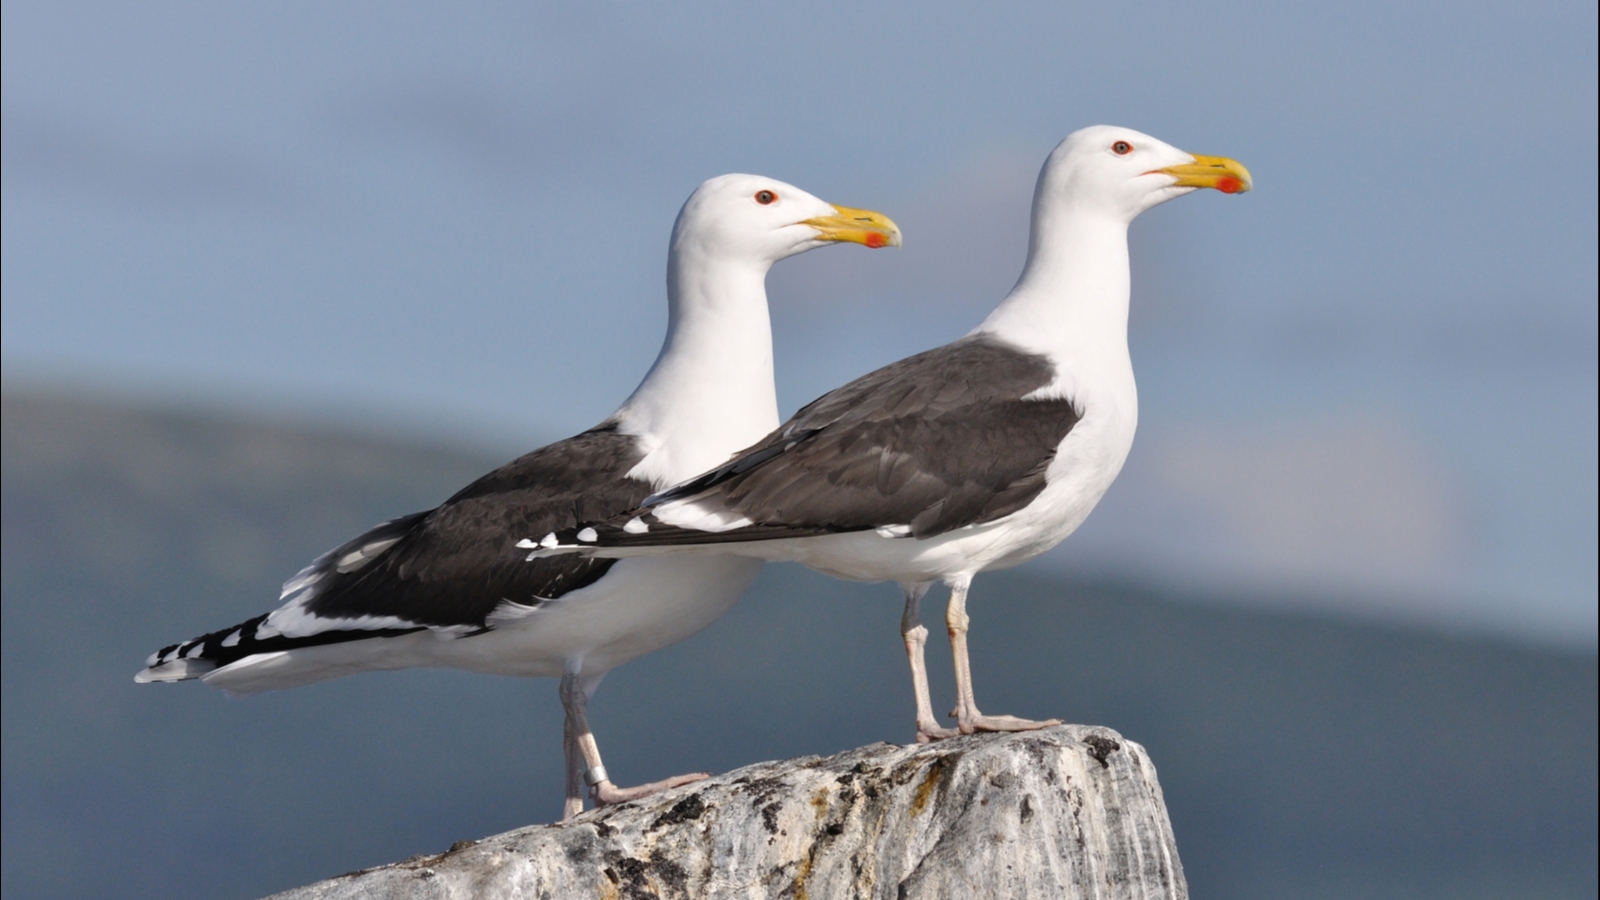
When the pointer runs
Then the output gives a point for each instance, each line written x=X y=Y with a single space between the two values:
x=453 y=565
x=937 y=441
x=459 y=561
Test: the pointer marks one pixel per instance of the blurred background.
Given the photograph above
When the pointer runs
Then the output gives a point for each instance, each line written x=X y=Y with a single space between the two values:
x=274 y=272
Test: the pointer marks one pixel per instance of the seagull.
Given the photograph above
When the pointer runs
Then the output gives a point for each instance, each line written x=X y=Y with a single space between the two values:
x=977 y=455
x=446 y=587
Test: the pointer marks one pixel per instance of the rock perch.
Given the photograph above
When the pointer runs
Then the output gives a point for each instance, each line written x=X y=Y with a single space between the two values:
x=1071 y=812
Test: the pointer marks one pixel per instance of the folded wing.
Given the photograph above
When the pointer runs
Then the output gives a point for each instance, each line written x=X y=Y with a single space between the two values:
x=956 y=436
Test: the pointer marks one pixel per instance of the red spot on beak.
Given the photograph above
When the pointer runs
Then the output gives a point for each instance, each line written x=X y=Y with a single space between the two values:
x=875 y=240
x=1229 y=185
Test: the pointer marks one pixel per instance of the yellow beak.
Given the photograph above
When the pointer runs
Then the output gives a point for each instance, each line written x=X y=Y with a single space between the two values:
x=1226 y=175
x=858 y=226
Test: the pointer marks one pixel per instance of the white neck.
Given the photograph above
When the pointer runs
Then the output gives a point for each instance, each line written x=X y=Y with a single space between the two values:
x=1071 y=301
x=711 y=391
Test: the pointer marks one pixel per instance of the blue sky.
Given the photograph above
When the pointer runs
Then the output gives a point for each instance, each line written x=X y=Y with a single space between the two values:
x=1372 y=381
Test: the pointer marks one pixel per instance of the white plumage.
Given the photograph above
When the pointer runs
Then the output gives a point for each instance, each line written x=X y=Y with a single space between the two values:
x=974 y=456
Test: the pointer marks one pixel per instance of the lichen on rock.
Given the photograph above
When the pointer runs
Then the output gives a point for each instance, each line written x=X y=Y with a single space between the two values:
x=1071 y=811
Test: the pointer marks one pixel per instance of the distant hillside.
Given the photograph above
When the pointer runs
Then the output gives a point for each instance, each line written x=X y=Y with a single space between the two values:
x=1300 y=758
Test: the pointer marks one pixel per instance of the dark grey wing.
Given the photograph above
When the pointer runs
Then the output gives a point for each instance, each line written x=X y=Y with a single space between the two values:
x=450 y=567
x=460 y=561
x=936 y=441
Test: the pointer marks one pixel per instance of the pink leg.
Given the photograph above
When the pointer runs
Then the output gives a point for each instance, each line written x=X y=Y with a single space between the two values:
x=576 y=701
x=916 y=639
x=574 y=756
x=968 y=719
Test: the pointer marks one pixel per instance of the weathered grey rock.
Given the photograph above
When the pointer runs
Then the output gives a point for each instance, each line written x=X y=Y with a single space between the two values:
x=1071 y=812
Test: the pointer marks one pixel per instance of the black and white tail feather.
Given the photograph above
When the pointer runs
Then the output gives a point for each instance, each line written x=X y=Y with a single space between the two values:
x=452 y=571
x=196 y=657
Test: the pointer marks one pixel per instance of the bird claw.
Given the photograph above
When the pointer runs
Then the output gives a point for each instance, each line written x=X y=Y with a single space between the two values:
x=605 y=793
x=976 y=723
x=927 y=734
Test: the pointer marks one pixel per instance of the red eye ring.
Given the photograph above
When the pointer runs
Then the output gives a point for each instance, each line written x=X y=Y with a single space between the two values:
x=766 y=197
x=1122 y=148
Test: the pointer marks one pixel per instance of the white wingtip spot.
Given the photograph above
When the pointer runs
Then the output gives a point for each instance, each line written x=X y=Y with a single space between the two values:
x=588 y=535
x=550 y=541
x=526 y=544
x=178 y=670
x=232 y=640
x=636 y=525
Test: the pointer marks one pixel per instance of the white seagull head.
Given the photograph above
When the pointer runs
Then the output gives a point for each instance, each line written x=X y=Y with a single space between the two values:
x=1119 y=172
x=765 y=220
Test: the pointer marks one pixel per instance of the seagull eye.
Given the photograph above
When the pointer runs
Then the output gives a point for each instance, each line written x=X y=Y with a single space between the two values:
x=1122 y=148
x=765 y=197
